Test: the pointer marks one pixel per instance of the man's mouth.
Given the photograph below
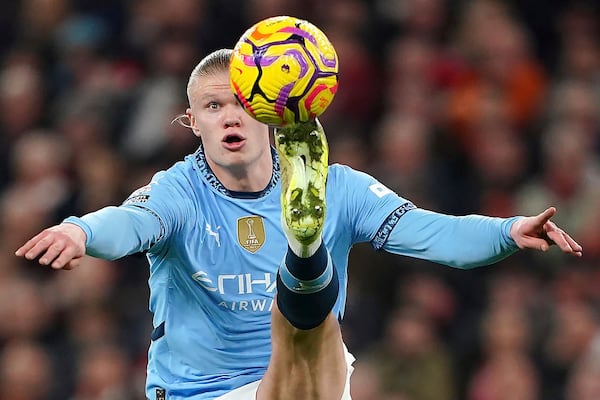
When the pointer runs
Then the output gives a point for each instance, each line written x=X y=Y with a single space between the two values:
x=233 y=138
x=233 y=142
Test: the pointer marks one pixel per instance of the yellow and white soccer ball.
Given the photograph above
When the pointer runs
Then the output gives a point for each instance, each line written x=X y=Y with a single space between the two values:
x=284 y=70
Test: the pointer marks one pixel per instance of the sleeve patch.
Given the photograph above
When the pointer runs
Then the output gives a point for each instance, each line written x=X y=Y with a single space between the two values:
x=391 y=221
x=141 y=195
x=380 y=190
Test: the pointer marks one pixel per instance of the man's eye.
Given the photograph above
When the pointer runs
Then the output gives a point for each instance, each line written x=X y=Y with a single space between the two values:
x=213 y=105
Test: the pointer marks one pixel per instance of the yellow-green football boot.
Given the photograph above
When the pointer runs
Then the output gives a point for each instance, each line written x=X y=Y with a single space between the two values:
x=303 y=155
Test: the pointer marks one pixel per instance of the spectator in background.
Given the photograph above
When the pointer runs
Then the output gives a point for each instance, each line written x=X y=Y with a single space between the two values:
x=505 y=377
x=431 y=294
x=91 y=285
x=356 y=100
x=103 y=373
x=25 y=371
x=410 y=70
x=21 y=103
x=503 y=71
x=403 y=143
x=411 y=361
x=579 y=54
x=28 y=310
x=40 y=185
x=571 y=333
x=366 y=382
x=93 y=88
x=507 y=370
x=584 y=379
x=424 y=20
x=22 y=93
x=40 y=20
x=158 y=96
x=351 y=150
x=497 y=167
x=575 y=101
x=103 y=167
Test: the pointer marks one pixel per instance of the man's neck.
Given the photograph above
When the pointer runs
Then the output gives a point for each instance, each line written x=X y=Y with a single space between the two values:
x=253 y=178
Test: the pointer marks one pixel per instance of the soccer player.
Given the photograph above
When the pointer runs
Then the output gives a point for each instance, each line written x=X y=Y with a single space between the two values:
x=248 y=252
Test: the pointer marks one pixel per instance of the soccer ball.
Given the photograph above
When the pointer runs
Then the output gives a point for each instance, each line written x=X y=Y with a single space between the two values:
x=284 y=70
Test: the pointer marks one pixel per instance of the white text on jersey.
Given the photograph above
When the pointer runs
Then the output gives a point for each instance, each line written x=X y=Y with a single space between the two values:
x=236 y=283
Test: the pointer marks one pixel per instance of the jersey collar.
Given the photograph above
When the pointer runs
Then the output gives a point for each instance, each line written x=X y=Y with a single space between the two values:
x=210 y=177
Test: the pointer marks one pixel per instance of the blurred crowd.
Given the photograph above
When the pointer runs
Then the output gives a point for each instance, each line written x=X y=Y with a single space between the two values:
x=469 y=106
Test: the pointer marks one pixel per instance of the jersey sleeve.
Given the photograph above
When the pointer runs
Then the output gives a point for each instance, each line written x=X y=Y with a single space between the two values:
x=145 y=219
x=394 y=224
x=369 y=204
x=457 y=241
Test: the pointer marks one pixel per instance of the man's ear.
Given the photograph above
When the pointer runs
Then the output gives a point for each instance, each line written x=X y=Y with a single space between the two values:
x=192 y=119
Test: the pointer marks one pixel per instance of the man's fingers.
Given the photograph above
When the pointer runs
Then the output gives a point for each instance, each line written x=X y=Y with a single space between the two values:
x=59 y=246
x=558 y=238
x=565 y=242
x=535 y=243
x=52 y=252
x=545 y=216
x=26 y=250
x=561 y=238
x=540 y=233
x=74 y=263
x=64 y=260
x=574 y=245
x=39 y=249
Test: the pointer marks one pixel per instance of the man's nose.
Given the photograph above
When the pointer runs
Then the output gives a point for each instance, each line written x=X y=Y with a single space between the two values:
x=233 y=117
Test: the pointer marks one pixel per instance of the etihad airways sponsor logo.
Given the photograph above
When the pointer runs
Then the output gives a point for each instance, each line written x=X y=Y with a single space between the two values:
x=253 y=305
x=246 y=284
x=237 y=283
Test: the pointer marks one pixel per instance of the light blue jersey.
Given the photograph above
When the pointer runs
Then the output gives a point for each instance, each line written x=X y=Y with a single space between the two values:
x=214 y=256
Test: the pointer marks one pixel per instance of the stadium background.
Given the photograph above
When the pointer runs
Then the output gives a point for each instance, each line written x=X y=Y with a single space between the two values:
x=474 y=106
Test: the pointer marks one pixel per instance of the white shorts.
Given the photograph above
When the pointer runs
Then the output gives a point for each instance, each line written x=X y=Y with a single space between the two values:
x=248 y=392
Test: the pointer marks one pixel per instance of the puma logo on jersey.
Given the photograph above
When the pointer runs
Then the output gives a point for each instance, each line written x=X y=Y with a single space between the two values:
x=214 y=234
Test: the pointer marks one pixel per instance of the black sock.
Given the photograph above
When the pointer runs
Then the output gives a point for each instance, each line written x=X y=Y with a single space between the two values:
x=307 y=288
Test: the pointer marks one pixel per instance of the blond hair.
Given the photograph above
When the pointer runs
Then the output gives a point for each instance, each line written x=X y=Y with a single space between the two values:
x=214 y=63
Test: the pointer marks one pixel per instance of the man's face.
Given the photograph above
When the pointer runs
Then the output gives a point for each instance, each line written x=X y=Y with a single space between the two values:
x=232 y=140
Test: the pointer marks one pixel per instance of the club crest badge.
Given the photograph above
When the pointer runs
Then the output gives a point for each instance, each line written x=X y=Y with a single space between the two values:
x=251 y=233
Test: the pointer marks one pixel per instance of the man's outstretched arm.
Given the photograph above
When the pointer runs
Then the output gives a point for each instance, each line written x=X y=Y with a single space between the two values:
x=109 y=233
x=475 y=240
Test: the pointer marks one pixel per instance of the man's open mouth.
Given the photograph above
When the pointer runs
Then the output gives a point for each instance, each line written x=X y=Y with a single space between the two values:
x=233 y=138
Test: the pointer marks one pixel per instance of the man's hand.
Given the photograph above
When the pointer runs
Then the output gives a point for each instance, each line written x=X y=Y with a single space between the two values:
x=539 y=233
x=61 y=246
